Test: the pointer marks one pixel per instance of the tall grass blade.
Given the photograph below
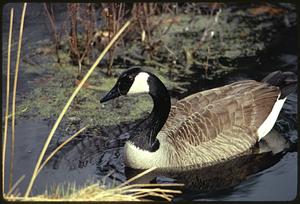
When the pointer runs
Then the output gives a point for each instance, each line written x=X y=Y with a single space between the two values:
x=14 y=95
x=136 y=177
x=18 y=112
x=16 y=185
x=59 y=147
x=7 y=97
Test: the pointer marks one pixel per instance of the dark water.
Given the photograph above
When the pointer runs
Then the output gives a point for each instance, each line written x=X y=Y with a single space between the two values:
x=269 y=174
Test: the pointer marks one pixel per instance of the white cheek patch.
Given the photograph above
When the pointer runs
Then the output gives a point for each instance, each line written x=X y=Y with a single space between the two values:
x=140 y=84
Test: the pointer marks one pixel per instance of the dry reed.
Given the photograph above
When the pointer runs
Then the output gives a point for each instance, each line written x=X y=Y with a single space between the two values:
x=93 y=192
x=59 y=147
x=7 y=96
x=56 y=36
x=14 y=95
x=15 y=185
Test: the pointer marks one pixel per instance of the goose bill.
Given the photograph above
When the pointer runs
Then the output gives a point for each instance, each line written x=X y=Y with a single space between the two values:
x=113 y=93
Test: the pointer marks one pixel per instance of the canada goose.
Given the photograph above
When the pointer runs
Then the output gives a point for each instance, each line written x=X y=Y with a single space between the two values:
x=204 y=128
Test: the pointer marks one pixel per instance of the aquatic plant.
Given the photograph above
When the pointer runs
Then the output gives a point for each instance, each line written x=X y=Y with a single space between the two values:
x=56 y=35
x=81 y=15
x=173 y=36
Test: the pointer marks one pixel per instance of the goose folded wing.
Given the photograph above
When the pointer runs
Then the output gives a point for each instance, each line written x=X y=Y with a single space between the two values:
x=243 y=109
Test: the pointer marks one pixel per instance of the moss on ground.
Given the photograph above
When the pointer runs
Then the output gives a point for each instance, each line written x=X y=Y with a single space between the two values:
x=49 y=96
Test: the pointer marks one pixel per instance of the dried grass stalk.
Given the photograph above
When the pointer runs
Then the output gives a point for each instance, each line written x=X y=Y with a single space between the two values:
x=59 y=147
x=7 y=96
x=14 y=95
x=93 y=192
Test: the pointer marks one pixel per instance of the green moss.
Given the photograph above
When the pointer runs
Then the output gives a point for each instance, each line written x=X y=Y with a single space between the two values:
x=48 y=98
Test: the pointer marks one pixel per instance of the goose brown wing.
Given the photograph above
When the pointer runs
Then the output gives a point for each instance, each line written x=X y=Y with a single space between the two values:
x=208 y=115
x=196 y=102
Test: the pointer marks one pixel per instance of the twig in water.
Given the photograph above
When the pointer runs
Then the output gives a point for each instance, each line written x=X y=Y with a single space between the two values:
x=56 y=36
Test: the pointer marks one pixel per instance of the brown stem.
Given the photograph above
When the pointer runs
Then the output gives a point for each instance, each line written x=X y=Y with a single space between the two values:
x=53 y=27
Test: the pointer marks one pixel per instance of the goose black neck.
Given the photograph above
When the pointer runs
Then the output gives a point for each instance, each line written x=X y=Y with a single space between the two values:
x=144 y=134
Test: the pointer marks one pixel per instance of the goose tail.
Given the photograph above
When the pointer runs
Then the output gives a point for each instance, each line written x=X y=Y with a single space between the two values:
x=286 y=81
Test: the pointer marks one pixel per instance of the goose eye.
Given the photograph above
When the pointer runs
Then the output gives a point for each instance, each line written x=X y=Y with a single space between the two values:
x=129 y=79
x=125 y=84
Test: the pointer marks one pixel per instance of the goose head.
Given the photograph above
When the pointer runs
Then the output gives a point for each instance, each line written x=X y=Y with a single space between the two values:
x=132 y=81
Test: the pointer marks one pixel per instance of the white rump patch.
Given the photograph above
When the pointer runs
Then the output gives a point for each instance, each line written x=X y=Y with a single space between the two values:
x=268 y=124
x=140 y=84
